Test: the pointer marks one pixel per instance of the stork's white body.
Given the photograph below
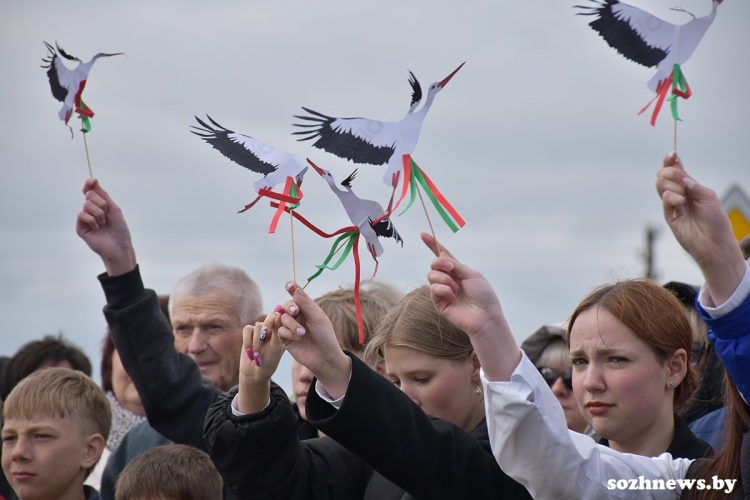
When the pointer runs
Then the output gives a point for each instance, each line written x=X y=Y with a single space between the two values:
x=362 y=213
x=287 y=165
x=680 y=41
x=402 y=135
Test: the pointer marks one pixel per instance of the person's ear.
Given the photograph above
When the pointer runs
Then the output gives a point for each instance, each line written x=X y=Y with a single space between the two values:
x=677 y=367
x=94 y=447
x=475 y=366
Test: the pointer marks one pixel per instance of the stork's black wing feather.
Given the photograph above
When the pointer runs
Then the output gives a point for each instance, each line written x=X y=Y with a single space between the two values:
x=58 y=91
x=343 y=144
x=416 y=89
x=66 y=55
x=348 y=181
x=236 y=151
x=385 y=229
x=620 y=35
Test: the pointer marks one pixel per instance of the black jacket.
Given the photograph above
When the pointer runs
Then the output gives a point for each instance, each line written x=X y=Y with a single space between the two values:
x=174 y=394
x=411 y=452
x=684 y=443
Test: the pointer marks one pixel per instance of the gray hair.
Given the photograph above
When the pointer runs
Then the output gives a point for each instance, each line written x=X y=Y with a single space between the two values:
x=216 y=277
x=556 y=353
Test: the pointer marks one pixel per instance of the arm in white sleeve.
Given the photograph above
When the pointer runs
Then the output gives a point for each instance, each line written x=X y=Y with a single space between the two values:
x=738 y=297
x=533 y=445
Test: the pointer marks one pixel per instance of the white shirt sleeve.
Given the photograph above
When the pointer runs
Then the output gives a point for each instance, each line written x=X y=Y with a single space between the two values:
x=739 y=295
x=532 y=444
x=336 y=403
x=235 y=406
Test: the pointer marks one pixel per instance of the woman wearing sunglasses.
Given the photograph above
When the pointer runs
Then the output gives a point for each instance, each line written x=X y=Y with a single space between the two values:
x=547 y=349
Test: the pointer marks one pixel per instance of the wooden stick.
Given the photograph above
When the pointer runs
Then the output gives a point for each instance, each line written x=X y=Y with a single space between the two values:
x=437 y=245
x=674 y=148
x=86 y=144
x=294 y=264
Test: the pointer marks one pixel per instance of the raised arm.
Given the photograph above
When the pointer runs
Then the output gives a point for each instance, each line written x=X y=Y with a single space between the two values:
x=308 y=335
x=466 y=298
x=699 y=223
x=102 y=226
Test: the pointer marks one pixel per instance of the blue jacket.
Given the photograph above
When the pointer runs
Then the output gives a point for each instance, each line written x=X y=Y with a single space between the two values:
x=730 y=336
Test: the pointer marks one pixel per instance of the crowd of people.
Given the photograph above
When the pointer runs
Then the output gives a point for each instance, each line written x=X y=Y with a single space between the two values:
x=641 y=395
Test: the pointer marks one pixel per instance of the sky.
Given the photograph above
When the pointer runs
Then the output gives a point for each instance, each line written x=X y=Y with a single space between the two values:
x=536 y=142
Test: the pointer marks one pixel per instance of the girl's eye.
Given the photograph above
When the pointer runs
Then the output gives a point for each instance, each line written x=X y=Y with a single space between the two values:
x=616 y=359
x=421 y=380
x=397 y=383
x=578 y=361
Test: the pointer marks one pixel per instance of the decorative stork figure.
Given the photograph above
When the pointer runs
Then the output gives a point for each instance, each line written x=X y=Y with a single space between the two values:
x=275 y=166
x=66 y=84
x=651 y=41
x=362 y=140
x=363 y=214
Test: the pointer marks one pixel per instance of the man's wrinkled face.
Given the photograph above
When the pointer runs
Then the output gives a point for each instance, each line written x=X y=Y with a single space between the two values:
x=208 y=329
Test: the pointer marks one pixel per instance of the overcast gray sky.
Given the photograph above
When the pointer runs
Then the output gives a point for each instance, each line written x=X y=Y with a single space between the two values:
x=536 y=142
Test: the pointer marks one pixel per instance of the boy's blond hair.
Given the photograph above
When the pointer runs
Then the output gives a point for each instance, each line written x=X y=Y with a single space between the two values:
x=60 y=392
x=170 y=472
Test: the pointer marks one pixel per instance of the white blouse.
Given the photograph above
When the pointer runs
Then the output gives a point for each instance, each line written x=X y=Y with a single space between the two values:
x=531 y=442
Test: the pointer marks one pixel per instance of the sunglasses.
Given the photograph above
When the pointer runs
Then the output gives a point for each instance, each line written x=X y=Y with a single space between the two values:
x=550 y=375
x=699 y=348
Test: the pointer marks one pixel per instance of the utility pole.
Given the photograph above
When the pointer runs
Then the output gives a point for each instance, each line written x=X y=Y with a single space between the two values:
x=648 y=255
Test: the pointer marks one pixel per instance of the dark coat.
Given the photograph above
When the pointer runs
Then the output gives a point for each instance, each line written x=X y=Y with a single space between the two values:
x=174 y=394
x=684 y=443
x=429 y=458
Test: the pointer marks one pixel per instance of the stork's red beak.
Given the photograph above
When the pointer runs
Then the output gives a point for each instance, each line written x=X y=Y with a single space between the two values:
x=445 y=80
x=317 y=169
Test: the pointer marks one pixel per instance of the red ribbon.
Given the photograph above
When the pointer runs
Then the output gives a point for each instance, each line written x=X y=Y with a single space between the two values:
x=279 y=196
x=313 y=227
x=282 y=205
x=439 y=196
x=357 y=305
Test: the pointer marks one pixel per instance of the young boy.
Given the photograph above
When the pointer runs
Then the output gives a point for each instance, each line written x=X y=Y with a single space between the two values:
x=171 y=472
x=56 y=425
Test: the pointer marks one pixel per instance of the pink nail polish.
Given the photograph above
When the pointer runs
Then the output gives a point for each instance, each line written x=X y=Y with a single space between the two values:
x=250 y=354
x=300 y=331
x=257 y=361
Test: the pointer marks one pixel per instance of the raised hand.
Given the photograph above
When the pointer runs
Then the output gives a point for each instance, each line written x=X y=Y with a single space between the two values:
x=258 y=362
x=307 y=333
x=699 y=223
x=464 y=297
x=102 y=226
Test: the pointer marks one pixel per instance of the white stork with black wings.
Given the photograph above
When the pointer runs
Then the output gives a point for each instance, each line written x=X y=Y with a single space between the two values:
x=647 y=39
x=362 y=213
x=67 y=84
x=362 y=140
x=254 y=155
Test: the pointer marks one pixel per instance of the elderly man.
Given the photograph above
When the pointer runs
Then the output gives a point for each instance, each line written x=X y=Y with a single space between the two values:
x=178 y=372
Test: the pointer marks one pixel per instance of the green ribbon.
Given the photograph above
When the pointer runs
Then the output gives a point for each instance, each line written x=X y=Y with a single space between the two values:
x=679 y=83
x=415 y=179
x=352 y=236
x=85 y=122
x=295 y=194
